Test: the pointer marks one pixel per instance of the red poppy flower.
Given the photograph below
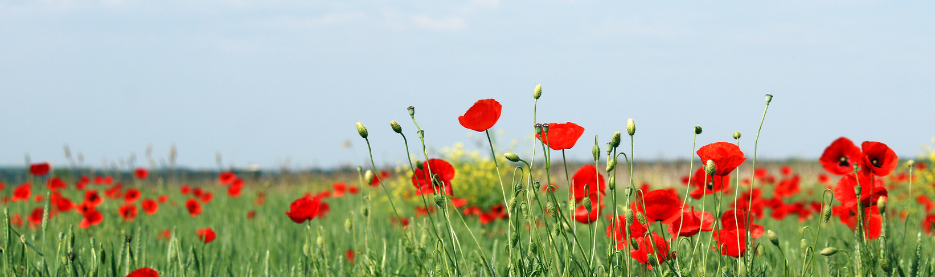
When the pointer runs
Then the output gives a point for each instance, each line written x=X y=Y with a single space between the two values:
x=339 y=189
x=382 y=177
x=550 y=188
x=226 y=177
x=251 y=214
x=353 y=189
x=235 y=188
x=726 y=156
x=36 y=216
x=55 y=184
x=925 y=201
x=22 y=192
x=197 y=192
x=458 y=202
x=165 y=234
x=873 y=222
x=132 y=196
x=844 y=190
x=302 y=209
x=128 y=212
x=16 y=220
x=690 y=223
x=486 y=218
x=582 y=215
x=839 y=157
x=82 y=184
x=108 y=180
x=927 y=223
x=163 y=198
x=785 y=170
x=737 y=219
x=472 y=210
x=194 y=208
x=658 y=246
x=349 y=254
x=185 y=189
x=498 y=211
x=141 y=173
x=420 y=211
x=401 y=221
x=561 y=136
x=878 y=158
x=443 y=172
x=92 y=198
x=114 y=192
x=144 y=272
x=587 y=176
x=731 y=242
x=206 y=197
x=787 y=187
x=91 y=217
x=618 y=229
x=98 y=180
x=482 y=115
x=660 y=205
x=206 y=235
x=61 y=203
x=150 y=206
x=823 y=178
x=39 y=169
x=707 y=185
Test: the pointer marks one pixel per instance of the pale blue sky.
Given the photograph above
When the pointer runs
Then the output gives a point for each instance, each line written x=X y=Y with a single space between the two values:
x=263 y=81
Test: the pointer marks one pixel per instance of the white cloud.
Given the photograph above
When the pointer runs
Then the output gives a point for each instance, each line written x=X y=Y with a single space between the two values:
x=450 y=23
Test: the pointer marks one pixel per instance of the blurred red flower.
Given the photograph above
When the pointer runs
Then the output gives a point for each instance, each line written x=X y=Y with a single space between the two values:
x=482 y=115
x=185 y=189
x=380 y=178
x=132 y=196
x=927 y=223
x=658 y=247
x=690 y=223
x=141 y=173
x=92 y=198
x=55 y=184
x=839 y=157
x=91 y=217
x=731 y=242
x=128 y=212
x=22 y=192
x=163 y=198
x=35 y=218
x=206 y=235
x=305 y=208
x=206 y=197
x=251 y=214
x=561 y=136
x=844 y=190
x=16 y=220
x=39 y=169
x=660 y=205
x=582 y=215
x=618 y=229
x=707 y=184
x=873 y=222
x=349 y=254
x=726 y=156
x=150 y=206
x=193 y=207
x=144 y=272
x=226 y=177
x=738 y=219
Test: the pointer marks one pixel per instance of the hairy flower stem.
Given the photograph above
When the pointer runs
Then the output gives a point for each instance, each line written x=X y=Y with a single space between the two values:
x=756 y=143
x=691 y=167
x=502 y=192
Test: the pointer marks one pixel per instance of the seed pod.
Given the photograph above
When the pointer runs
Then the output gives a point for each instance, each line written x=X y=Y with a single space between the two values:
x=769 y=97
x=538 y=129
x=412 y=111
x=737 y=135
x=361 y=130
x=857 y=190
x=710 y=168
x=631 y=127
x=697 y=130
x=615 y=140
x=512 y=203
x=536 y=185
x=545 y=128
x=511 y=157
x=773 y=238
x=537 y=92
x=829 y=251
x=396 y=128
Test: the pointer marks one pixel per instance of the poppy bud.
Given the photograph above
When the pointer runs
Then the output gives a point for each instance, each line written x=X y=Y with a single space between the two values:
x=511 y=157
x=536 y=93
x=829 y=251
x=512 y=204
x=412 y=111
x=611 y=164
x=396 y=128
x=419 y=165
x=361 y=130
x=587 y=203
x=368 y=177
x=609 y=149
x=773 y=238
x=697 y=130
x=538 y=128
x=651 y=260
x=881 y=204
x=514 y=239
x=641 y=219
x=634 y=244
x=803 y=244
x=628 y=216
x=710 y=168
x=910 y=163
x=360 y=169
x=596 y=152
x=769 y=97
x=631 y=127
x=439 y=200
x=421 y=134
x=365 y=211
x=348 y=226
x=524 y=209
x=826 y=215
x=550 y=207
x=612 y=183
x=615 y=140
x=737 y=135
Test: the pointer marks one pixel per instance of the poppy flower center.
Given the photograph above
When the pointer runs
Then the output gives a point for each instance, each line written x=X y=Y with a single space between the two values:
x=710 y=185
x=843 y=161
x=875 y=161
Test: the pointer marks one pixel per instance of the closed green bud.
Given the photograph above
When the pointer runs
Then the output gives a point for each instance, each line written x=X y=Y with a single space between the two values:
x=511 y=157
x=364 y=210
x=631 y=127
x=651 y=260
x=611 y=164
x=697 y=130
x=545 y=128
x=512 y=204
x=440 y=199
x=628 y=216
x=769 y=97
x=635 y=245
x=420 y=165
x=514 y=239
x=368 y=177
x=537 y=92
x=361 y=130
x=596 y=152
x=736 y=135
x=612 y=183
x=396 y=128
x=773 y=238
x=586 y=203
x=615 y=140
x=910 y=163
x=881 y=204
x=641 y=219
x=803 y=244
x=710 y=168
x=857 y=190
x=829 y=251
x=348 y=225
x=826 y=215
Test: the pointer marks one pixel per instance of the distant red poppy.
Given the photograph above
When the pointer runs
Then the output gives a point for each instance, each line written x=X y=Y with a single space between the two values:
x=185 y=189
x=878 y=158
x=61 y=203
x=839 y=157
x=197 y=192
x=226 y=177
x=823 y=178
x=108 y=180
x=618 y=229
x=82 y=184
x=114 y=192
x=163 y=198
x=925 y=201
x=486 y=218
x=550 y=188
x=55 y=184
x=401 y=221
x=737 y=219
x=785 y=170
x=141 y=173
x=482 y=115
x=35 y=217
x=98 y=180
x=206 y=235
x=660 y=205
x=165 y=234
x=16 y=220
x=349 y=254
x=690 y=223
x=472 y=210
x=339 y=189
x=132 y=196
x=587 y=176
x=39 y=169
x=658 y=246
x=844 y=190
x=91 y=217
x=353 y=189
x=381 y=177
x=731 y=242
x=787 y=187
x=251 y=214
x=561 y=136
x=194 y=208
x=927 y=223
x=442 y=171
x=128 y=212
x=707 y=185
x=236 y=187
x=206 y=197
x=458 y=202
x=22 y=192
x=144 y=272
x=726 y=156
x=305 y=208
x=92 y=198
x=39 y=198
x=150 y=206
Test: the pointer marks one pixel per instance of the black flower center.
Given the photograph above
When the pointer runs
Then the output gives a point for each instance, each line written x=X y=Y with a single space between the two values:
x=875 y=161
x=843 y=161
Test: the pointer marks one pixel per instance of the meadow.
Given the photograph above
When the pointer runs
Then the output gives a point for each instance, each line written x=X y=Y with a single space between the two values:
x=857 y=211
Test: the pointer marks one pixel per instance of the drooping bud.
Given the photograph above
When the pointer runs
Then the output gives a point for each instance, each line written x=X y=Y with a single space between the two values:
x=396 y=128
x=769 y=97
x=773 y=238
x=631 y=127
x=420 y=165
x=881 y=204
x=537 y=92
x=826 y=215
x=364 y=210
x=641 y=219
x=361 y=130
x=348 y=225
x=829 y=251
x=628 y=216
x=651 y=260
x=803 y=244
x=737 y=135
x=412 y=111
x=910 y=163
x=615 y=140
x=612 y=183
x=511 y=157
x=368 y=177
x=697 y=130
x=586 y=203
x=536 y=185
x=710 y=168
x=440 y=200
x=611 y=164
x=633 y=243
